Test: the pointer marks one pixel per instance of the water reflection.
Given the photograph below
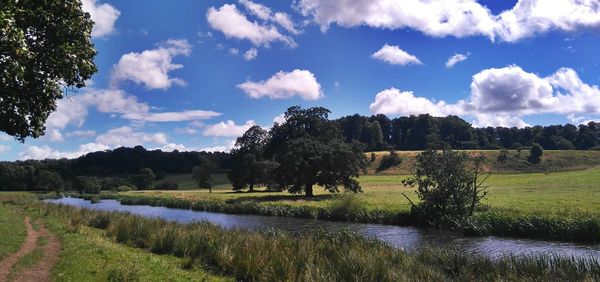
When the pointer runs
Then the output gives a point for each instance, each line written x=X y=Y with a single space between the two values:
x=408 y=238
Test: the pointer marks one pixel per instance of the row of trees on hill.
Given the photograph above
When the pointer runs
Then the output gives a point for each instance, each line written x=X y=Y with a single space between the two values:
x=379 y=132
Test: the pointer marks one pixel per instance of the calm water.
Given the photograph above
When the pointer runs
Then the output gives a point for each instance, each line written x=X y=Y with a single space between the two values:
x=408 y=238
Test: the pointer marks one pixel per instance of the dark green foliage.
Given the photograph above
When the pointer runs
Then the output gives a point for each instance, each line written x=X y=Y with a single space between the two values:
x=46 y=48
x=309 y=150
x=535 y=154
x=372 y=158
x=144 y=179
x=249 y=168
x=449 y=185
x=167 y=185
x=49 y=181
x=203 y=174
x=390 y=160
x=87 y=185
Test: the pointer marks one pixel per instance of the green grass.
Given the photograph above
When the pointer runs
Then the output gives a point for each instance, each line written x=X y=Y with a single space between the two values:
x=526 y=193
x=86 y=253
x=319 y=256
x=186 y=182
x=12 y=230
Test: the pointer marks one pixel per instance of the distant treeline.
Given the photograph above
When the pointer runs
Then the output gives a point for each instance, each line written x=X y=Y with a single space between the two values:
x=379 y=132
x=122 y=163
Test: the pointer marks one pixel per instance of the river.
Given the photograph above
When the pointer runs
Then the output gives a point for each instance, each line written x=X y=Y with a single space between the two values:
x=407 y=238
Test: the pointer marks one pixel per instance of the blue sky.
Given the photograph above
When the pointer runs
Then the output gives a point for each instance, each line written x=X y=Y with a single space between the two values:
x=193 y=75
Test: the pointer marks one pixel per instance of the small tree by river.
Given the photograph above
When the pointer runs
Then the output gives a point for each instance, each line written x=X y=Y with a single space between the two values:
x=450 y=185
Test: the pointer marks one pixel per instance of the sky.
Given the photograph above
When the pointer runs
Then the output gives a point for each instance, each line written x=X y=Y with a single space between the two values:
x=194 y=75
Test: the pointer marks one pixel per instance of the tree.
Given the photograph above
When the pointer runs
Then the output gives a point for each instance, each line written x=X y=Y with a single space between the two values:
x=88 y=185
x=450 y=185
x=203 y=174
x=309 y=150
x=535 y=154
x=144 y=179
x=50 y=181
x=248 y=165
x=46 y=48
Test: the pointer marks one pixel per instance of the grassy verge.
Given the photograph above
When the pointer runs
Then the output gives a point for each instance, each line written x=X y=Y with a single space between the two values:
x=87 y=254
x=12 y=229
x=344 y=256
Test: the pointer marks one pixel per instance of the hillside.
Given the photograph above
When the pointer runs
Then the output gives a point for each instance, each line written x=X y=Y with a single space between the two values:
x=552 y=160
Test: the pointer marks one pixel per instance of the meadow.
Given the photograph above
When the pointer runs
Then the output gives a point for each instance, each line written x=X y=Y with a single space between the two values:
x=109 y=246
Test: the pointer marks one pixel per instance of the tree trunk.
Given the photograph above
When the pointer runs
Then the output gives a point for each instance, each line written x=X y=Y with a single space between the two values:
x=251 y=189
x=309 y=190
x=209 y=189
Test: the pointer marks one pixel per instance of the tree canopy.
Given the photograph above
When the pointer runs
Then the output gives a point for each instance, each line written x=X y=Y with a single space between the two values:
x=46 y=49
x=309 y=150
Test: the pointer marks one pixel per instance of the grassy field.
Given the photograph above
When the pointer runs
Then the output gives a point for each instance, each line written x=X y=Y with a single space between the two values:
x=525 y=192
x=105 y=246
x=552 y=161
x=87 y=254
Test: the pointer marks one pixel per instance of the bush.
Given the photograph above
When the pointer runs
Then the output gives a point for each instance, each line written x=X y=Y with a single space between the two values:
x=123 y=188
x=167 y=185
x=536 y=152
x=390 y=160
x=347 y=207
x=503 y=157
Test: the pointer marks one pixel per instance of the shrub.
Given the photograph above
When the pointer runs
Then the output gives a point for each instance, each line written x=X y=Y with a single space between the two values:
x=390 y=160
x=347 y=206
x=449 y=184
x=535 y=154
x=503 y=157
x=167 y=185
x=122 y=188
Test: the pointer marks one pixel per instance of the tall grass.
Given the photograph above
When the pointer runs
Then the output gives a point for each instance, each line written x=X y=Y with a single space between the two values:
x=319 y=256
x=573 y=227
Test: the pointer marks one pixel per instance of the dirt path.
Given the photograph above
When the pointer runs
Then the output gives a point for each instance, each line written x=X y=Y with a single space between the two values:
x=28 y=246
x=42 y=270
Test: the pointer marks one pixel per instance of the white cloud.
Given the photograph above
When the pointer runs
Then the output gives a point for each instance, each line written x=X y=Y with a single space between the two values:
x=5 y=137
x=227 y=129
x=74 y=110
x=234 y=51
x=219 y=148
x=233 y=24
x=81 y=134
x=279 y=119
x=455 y=59
x=395 y=56
x=394 y=101
x=4 y=148
x=502 y=96
x=186 y=130
x=283 y=85
x=151 y=67
x=250 y=54
x=458 y=18
x=45 y=152
x=103 y=15
x=126 y=136
x=172 y=116
x=264 y=13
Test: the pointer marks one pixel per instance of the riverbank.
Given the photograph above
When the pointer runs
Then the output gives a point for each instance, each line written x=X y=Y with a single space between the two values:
x=320 y=256
x=571 y=227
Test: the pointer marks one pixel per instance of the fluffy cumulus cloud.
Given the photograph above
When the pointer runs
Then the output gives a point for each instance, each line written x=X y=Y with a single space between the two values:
x=283 y=85
x=266 y=14
x=502 y=96
x=395 y=56
x=458 y=18
x=234 y=24
x=151 y=67
x=103 y=15
x=455 y=59
x=227 y=129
